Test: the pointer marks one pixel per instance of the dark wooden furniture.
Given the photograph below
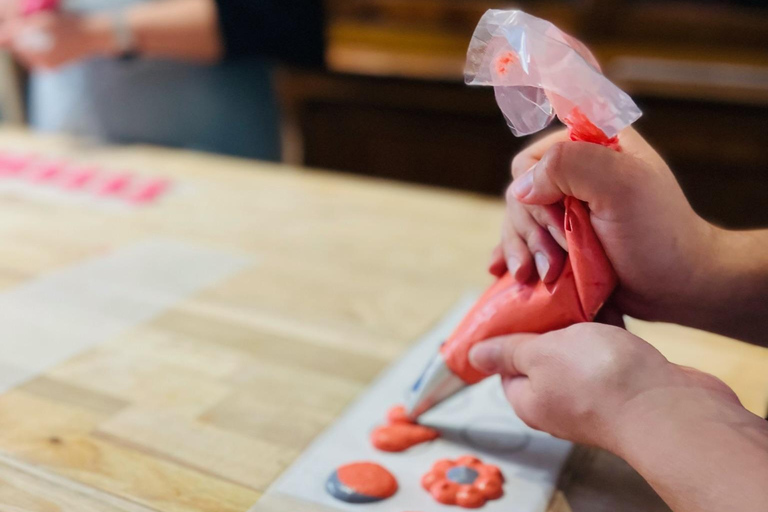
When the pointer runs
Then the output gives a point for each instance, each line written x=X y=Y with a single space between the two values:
x=392 y=103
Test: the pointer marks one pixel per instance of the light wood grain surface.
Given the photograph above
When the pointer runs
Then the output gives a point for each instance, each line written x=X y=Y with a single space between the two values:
x=202 y=407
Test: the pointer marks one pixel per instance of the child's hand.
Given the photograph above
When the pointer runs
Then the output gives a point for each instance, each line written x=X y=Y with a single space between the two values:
x=580 y=383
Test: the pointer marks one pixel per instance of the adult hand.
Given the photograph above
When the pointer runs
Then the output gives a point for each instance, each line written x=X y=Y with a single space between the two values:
x=48 y=40
x=580 y=383
x=664 y=254
x=683 y=430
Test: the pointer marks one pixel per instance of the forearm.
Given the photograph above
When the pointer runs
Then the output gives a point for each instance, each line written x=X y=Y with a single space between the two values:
x=700 y=455
x=736 y=303
x=204 y=31
x=174 y=29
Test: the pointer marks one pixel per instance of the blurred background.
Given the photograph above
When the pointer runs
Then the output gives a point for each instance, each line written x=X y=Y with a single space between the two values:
x=386 y=97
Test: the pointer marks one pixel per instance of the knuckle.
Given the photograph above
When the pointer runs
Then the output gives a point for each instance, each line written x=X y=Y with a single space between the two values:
x=629 y=171
x=510 y=237
x=540 y=354
x=520 y=163
x=610 y=356
x=525 y=227
x=540 y=215
x=555 y=157
x=537 y=237
x=510 y=196
x=520 y=253
x=508 y=358
x=512 y=245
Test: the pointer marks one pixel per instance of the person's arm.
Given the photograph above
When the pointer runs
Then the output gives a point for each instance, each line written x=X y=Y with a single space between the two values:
x=672 y=265
x=208 y=30
x=699 y=454
x=683 y=430
x=178 y=29
x=741 y=288
x=202 y=31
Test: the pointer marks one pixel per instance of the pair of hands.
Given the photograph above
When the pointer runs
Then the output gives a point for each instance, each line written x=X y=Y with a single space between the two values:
x=576 y=383
x=48 y=40
x=684 y=431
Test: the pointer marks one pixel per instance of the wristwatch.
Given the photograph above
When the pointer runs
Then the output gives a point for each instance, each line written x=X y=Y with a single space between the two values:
x=124 y=37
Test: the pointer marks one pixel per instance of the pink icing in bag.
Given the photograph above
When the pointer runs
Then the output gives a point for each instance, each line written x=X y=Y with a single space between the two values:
x=539 y=72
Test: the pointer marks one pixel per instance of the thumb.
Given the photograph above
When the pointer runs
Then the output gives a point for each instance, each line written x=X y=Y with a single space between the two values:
x=600 y=176
x=508 y=355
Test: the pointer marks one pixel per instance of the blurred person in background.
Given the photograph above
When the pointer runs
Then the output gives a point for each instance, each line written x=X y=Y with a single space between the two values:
x=183 y=73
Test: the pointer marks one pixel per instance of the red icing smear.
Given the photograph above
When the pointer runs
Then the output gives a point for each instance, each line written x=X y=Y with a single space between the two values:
x=80 y=178
x=487 y=486
x=368 y=478
x=15 y=164
x=47 y=172
x=504 y=61
x=401 y=432
x=582 y=129
x=509 y=307
x=115 y=185
x=149 y=192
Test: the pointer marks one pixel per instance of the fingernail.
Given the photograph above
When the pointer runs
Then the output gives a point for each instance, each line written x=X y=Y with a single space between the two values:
x=513 y=265
x=523 y=185
x=542 y=264
x=558 y=236
x=484 y=357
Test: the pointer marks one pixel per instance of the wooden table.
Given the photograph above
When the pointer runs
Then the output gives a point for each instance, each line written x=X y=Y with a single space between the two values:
x=202 y=407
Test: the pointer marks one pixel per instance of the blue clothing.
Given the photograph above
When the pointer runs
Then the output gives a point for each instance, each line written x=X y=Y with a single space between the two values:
x=225 y=108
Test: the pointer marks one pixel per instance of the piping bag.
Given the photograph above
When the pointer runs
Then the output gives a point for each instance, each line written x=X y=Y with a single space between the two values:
x=537 y=72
